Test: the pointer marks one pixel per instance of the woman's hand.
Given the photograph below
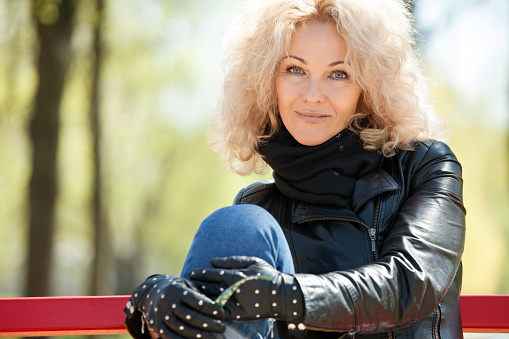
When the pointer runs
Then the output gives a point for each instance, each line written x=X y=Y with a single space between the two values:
x=173 y=308
x=266 y=293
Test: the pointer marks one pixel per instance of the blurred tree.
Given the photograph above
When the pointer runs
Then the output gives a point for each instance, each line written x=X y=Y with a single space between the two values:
x=54 y=27
x=101 y=263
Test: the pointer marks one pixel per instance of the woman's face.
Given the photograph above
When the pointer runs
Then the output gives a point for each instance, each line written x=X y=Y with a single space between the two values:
x=316 y=97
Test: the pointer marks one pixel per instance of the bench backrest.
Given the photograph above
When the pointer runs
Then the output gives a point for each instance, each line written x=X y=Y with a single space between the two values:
x=54 y=316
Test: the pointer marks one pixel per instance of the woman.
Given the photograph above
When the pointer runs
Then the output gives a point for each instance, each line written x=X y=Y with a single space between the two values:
x=362 y=231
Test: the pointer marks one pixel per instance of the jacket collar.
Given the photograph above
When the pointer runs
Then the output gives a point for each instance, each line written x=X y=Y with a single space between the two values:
x=368 y=186
x=372 y=184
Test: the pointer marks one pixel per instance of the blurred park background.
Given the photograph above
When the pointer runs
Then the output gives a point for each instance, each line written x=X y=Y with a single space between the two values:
x=105 y=171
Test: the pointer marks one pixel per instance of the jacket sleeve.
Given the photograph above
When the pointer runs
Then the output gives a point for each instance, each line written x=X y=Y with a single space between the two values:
x=419 y=259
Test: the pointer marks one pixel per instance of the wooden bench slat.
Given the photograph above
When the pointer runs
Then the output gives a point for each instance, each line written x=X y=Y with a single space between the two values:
x=62 y=316
x=485 y=313
x=58 y=316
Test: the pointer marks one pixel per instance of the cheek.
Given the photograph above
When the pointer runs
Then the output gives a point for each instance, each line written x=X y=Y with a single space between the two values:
x=347 y=99
x=287 y=92
x=281 y=92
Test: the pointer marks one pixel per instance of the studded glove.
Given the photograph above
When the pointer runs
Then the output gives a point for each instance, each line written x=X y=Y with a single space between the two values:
x=264 y=293
x=172 y=308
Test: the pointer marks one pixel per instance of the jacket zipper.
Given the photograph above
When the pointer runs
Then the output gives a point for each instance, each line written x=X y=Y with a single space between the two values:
x=372 y=231
x=390 y=335
x=436 y=323
x=372 y=236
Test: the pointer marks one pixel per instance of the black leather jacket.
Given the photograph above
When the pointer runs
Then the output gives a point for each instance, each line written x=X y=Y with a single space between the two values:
x=389 y=268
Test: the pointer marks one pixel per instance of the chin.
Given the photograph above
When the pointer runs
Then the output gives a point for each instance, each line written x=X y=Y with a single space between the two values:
x=310 y=140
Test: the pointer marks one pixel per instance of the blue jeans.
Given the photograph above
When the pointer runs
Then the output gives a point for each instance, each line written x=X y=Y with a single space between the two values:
x=241 y=230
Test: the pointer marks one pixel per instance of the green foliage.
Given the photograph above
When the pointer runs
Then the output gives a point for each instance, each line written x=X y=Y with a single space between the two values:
x=484 y=157
x=483 y=150
x=46 y=11
x=160 y=178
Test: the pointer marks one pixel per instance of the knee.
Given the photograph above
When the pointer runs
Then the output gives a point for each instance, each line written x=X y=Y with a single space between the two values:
x=243 y=219
x=240 y=230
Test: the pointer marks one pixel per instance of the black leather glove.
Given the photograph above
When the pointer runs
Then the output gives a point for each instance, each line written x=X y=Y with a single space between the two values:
x=267 y=293
x=172 y=308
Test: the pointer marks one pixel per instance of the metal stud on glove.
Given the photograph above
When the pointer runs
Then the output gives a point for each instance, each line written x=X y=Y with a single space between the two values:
x=272 y=295
x=172 y=308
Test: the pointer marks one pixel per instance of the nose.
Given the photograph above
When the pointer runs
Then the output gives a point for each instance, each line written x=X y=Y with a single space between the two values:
x=313 y=91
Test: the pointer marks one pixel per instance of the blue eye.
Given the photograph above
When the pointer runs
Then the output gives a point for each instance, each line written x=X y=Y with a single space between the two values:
x=295 y=70
x=339 y=75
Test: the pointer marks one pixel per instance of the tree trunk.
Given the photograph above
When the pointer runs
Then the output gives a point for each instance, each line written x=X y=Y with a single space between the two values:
x=53 y=60
x=102 y=272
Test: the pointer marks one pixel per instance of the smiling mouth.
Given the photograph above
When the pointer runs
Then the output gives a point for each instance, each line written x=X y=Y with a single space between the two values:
x=312 y=117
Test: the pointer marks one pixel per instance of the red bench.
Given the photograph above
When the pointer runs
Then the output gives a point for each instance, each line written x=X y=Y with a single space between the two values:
x=54 y=316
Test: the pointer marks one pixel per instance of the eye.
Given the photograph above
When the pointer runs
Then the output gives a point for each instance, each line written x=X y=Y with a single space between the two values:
x=295 y=70
x=339 y=75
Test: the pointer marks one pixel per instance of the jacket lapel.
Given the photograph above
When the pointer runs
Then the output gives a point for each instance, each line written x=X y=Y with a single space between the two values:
x=372 y=184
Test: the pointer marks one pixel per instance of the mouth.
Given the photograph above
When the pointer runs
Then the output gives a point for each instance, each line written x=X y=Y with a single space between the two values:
x=312 y=117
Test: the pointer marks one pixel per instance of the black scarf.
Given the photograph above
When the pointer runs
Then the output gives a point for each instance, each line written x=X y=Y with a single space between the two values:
x=322 y=174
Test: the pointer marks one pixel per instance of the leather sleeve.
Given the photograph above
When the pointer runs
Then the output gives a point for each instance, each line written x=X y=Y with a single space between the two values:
x=418 y=261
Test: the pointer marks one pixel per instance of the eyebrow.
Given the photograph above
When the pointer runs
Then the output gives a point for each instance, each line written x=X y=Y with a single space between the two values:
x=305 y=63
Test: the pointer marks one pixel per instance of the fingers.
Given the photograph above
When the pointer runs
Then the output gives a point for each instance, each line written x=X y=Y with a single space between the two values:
x=140 y=292
x=202 y=304
x=174 y=327
x=210 y=289
x=163 y=332
x=215 y=275
x=177 y=332
x=196 y=320
x=181 y=321
x=237 y=261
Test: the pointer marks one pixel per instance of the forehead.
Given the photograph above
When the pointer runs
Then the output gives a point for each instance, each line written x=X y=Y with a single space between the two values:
x=314 y=39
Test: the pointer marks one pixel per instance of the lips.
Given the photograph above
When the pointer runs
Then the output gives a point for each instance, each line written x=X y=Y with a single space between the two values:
x=312 y=117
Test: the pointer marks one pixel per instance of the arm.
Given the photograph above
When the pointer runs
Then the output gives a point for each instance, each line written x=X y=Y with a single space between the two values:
x=418 y=262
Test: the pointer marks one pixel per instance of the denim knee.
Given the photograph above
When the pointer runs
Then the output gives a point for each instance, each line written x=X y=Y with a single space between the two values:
x=239 y=230
x=244 y=220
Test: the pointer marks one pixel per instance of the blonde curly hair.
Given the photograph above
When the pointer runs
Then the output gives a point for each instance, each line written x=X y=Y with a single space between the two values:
x=394 y=110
